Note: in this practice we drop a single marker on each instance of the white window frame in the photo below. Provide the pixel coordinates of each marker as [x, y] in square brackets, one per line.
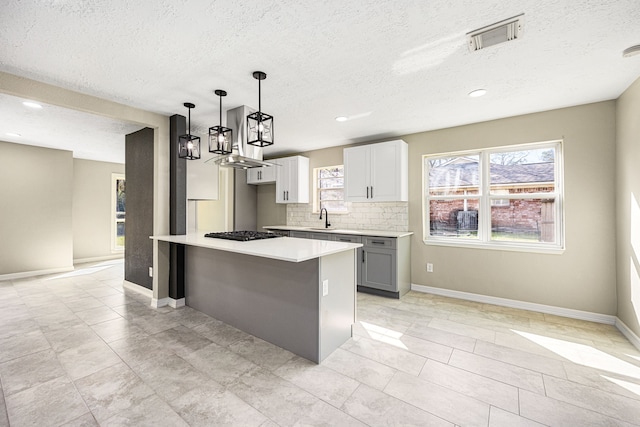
[114, 202]
[316, 191]
[486, 200]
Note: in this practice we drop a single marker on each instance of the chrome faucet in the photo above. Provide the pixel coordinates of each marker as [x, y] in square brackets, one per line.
[326, 217]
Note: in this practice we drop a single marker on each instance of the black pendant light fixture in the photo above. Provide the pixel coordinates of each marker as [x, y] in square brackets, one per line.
[259, 124]
[189, 145]
[220, 138]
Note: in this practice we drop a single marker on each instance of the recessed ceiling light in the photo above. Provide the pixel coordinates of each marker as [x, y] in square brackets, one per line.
[31, 104]
[341, 119]
[478, 92]
[15, 135]
[630, 51]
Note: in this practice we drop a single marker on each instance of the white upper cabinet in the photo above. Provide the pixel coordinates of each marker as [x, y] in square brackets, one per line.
[292, 179]
[202, 180]
[263, 175]
[377, 172]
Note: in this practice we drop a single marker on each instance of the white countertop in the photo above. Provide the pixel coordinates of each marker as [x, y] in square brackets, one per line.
[371, 233]
[280, 248]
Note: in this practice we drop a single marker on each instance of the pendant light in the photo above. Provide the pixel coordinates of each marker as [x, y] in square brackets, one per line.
[259, 124]
[220, 138]
[189, 145]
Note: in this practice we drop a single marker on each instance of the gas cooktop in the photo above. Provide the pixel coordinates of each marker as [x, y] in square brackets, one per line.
[242, 236]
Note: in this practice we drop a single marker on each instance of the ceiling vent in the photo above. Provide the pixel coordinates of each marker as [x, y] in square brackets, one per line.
[500, 32]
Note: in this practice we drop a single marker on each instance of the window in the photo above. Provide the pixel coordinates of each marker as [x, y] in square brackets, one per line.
[117, 212]
[329, 189]
[503, 198]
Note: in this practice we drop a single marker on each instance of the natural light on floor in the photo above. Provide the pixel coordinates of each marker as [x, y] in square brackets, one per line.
[85, 271]
[633, 388]
[634, 279]
[584, 355]
[385, 335]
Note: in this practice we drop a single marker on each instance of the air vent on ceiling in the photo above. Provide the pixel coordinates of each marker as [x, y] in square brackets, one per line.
[500, 32]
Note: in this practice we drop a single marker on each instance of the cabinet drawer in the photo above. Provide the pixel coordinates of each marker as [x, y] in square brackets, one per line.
[300, 234]
[321, 236]
[346, 238]
[379, 242]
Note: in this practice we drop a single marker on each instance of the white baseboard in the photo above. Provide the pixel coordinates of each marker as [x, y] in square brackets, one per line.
[157, 303]
[24, 274]
[627, 332]
[523, 305]
[97, 259]
[176, 303]
[137, 288]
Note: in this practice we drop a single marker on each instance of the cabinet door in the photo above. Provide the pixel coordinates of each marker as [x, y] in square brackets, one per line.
[385, 172]
[268, 174]
[292, 185]
[252, 176]
[282, 180]
[356, 174]
[379, 269]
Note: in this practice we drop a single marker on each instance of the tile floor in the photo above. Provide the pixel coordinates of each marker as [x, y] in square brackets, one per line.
[78, 350]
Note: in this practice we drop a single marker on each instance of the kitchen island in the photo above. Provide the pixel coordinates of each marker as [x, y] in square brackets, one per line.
[298, 294]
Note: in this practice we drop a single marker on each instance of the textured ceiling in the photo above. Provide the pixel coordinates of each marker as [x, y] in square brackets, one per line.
[393, 67]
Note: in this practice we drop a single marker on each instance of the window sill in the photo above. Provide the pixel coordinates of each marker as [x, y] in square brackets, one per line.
[496, 246]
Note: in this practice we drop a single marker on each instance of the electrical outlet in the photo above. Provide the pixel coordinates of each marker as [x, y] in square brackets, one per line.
[325, 288]
[150, 271]
[429, 267]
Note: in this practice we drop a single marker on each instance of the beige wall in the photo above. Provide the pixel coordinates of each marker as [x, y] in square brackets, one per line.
[628, 206]
[583, 277]
[92, 208]
[35, 215]
[49, 94]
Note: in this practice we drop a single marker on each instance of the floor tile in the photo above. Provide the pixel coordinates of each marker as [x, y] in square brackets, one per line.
[437, 400]
[135, 349]
[86, 420]
[52, 403]
[367, 371]
[31, 370]
[423, 330]
[261, 353]
[219, 332]
[4, 418]
[219, 363]
[87, 359]
[112, 390]
[182, 340]
[116, 329]
[501, 418]
[210, 404]
[70, 336]
[376, 408]
[498, 370]
[463, 329]
[521, 358]
[390, 353]
[14, 346]
[319, 380]
[553, 412]
[83, 304]
[610, 404]
[169, 376]
[97, 315]
[151, 412]
[479, 387]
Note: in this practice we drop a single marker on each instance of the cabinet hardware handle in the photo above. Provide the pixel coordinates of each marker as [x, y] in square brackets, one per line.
[363, 253]
[344, 240]
[367, 192]
[377, 242]
[372, 191]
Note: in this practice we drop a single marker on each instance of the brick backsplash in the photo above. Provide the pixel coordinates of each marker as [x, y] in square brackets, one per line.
[391, 216]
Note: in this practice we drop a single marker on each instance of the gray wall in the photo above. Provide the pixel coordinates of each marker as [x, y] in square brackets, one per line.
[628, 206]
[35, 213]
[139, 225]
[92, 207]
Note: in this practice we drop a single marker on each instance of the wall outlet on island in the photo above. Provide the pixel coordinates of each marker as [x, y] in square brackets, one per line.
[150, 271]
[325, 288]
[429, 267]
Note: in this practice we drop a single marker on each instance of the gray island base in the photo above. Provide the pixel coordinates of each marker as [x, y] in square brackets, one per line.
[303, 303]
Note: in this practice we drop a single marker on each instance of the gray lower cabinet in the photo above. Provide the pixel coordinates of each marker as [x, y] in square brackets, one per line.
[384, 262]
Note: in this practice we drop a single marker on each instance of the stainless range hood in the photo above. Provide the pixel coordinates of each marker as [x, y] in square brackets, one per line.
[244, 156]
